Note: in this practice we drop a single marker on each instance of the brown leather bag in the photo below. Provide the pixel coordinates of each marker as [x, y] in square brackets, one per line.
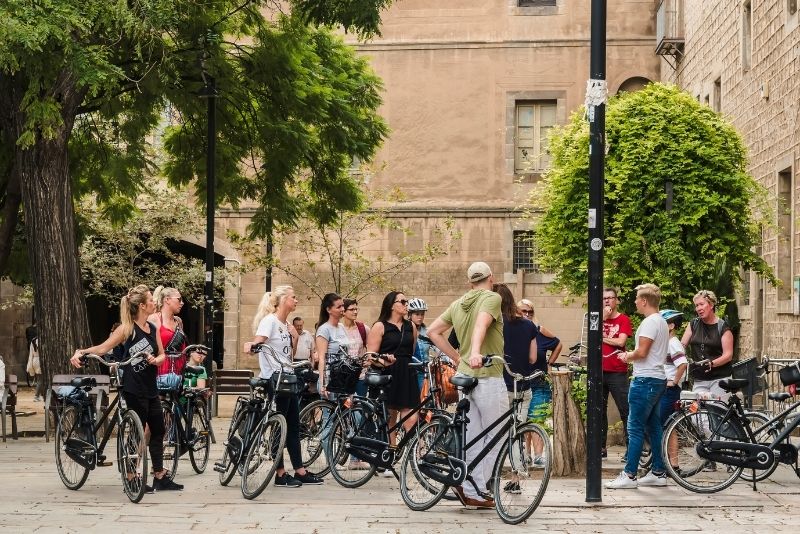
[448, 394]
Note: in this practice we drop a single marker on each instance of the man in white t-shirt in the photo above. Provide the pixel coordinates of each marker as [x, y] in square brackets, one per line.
[644, 395]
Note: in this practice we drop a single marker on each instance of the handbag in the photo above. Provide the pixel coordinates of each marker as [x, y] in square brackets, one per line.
[286, 384]
[790, 374]
[447, 391]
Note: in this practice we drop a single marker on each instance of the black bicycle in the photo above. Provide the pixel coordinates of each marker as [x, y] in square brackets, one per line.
[715, 441]
[257, 434]
[186, 426]
[360, 433]
[436, 461]
[76, 448]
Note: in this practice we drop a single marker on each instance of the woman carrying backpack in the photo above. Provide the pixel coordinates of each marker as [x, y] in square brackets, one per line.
[709, 337]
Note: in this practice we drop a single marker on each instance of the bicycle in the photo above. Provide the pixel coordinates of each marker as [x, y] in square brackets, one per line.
[716, 432]
[257, 433]
[362, 431]
[76, 449]
[438, 460]
[186, 427]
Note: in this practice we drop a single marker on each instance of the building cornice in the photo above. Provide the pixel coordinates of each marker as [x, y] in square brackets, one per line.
[538, 43]
[489, 212]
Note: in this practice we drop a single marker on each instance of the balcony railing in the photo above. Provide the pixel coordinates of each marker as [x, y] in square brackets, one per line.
[669, 30]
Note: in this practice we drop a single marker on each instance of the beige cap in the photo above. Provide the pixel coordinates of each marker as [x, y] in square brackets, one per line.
[478, 271]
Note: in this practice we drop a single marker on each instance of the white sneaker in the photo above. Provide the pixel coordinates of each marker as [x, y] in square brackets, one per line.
[387, 474]
[651, 479]
[623, 481]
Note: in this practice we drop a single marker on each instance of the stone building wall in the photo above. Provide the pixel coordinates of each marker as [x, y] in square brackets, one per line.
[763, 102]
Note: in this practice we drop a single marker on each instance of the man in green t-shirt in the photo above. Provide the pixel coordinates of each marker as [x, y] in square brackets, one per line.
[478, 324]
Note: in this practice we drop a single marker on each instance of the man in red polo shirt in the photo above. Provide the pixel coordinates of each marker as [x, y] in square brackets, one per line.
[616, 330]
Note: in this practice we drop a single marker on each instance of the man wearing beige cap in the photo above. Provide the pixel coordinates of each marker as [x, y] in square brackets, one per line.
[478, 324]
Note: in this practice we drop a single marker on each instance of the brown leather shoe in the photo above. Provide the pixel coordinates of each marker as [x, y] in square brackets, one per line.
[471, 503]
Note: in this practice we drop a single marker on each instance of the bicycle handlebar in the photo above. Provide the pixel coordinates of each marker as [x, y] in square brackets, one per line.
[489, 359]
[111, 364]
[189, 348]
[263, 347]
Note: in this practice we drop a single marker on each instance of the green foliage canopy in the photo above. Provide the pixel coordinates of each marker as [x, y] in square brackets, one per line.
[654, 136]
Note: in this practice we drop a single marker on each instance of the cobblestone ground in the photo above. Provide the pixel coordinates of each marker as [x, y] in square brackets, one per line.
[33, 499]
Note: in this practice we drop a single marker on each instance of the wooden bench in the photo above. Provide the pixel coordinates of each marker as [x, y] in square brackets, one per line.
[229, 382]
[9, 405]
[53, 407]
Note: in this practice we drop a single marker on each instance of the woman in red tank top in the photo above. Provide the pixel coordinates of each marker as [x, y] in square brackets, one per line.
[170, 327]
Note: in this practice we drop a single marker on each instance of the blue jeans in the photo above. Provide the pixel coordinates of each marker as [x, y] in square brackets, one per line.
[644, 414]
[668, 400]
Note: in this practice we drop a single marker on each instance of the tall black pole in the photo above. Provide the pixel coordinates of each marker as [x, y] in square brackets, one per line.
[596, 111]
[210, 92]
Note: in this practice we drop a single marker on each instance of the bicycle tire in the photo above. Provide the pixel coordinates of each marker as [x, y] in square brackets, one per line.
[233, 454]
[199, 443]
[766, 437]
[263, 456]
[419, 492]
[72, 474]
[343, 470]
[692, 472]
[172, 439]
[315, 419]
[520, 477]
[132, 455]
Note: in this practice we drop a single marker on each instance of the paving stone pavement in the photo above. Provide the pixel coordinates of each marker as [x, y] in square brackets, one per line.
[33, 499]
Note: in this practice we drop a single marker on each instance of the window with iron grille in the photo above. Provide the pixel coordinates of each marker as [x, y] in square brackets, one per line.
[523, 251]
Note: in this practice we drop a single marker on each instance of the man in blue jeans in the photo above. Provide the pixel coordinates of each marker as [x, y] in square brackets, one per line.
[644, 394]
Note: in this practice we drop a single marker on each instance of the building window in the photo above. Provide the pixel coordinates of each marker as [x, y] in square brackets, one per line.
[524, 256]
[716, 100]
[747, 34]
[535, 3]
[786, 216]
[534, 121]
[791, 6]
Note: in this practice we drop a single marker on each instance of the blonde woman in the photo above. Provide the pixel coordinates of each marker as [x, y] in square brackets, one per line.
[169, 303]
[272, 328]
[137, 334]
[708, 337]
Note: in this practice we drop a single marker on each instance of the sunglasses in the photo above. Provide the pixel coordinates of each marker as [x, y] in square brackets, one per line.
[404, 302]
[179, 299]
[526, 312]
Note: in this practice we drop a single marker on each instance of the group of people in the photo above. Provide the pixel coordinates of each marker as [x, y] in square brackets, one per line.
[659, 364]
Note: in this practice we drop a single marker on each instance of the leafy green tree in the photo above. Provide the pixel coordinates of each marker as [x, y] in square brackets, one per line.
[86, 85]
[655, 137]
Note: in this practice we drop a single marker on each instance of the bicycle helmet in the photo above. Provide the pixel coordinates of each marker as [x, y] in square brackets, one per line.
[417, 305]
[672, 316]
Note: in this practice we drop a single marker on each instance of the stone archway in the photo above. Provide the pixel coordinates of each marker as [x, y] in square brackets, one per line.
[633, 84]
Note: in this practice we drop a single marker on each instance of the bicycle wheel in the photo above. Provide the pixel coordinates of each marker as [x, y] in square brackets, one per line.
[420, 492]
[199, 440]
[262, 458]
[72, 474]
[233, 454]
[685, 465]
[315, 423]
[172, 439]
[347, 470]
[132, 455]
[765, 437]
[520, 474]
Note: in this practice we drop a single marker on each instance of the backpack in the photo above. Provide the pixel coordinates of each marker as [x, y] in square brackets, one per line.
[362, 330]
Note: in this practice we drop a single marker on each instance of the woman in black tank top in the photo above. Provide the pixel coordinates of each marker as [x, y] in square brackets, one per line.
[708, 337]
[137, 335]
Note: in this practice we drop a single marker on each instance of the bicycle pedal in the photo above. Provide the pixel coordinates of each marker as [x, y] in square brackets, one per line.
[104, 463]
[219, 468]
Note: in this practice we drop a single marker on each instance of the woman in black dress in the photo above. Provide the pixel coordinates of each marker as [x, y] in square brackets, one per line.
[394, 334]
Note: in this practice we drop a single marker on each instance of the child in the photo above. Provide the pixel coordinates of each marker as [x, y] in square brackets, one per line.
[675, 366]
[196, 359]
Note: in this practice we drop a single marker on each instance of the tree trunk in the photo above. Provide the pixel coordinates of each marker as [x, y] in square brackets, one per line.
[569, 434]
[43, 169]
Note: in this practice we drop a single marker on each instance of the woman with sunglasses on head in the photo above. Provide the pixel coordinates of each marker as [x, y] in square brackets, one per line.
[138, 335]
[169, 303]
[395, 335]
[709, 338]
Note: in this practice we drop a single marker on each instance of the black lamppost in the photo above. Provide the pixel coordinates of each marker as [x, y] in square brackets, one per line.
[596, 111]
[209, 92]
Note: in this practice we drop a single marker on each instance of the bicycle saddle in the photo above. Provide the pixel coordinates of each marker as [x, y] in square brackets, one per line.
[259, 382]
[463, 381]
[733, 384]
[779, 396]
[83, 382]
[374, 379]
[417, 366]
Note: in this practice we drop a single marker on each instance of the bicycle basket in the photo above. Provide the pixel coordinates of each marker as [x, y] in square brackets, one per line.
[343, 377]
[288, 384]
[169, 382]
[790, 374]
